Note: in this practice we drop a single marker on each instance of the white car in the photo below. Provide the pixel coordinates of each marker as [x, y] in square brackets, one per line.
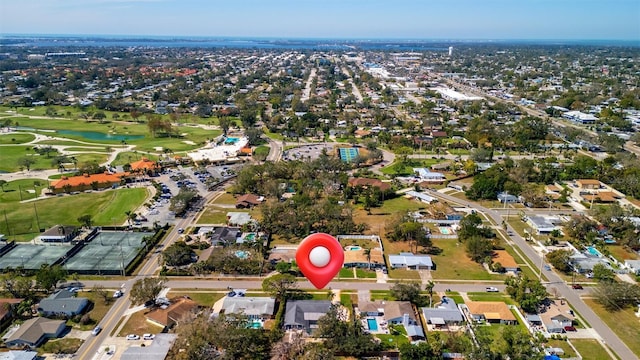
[492, 289]
[148, 337]
[133, 337]
[117, 294]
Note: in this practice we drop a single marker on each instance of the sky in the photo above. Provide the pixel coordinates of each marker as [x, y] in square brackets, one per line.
[368, 19]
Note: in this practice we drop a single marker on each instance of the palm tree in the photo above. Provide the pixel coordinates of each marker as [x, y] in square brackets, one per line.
[367, 253]
[429, 287]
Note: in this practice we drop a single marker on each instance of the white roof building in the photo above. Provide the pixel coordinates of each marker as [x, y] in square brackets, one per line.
[410, 261]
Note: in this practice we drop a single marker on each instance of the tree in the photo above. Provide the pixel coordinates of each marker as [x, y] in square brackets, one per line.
[146, 289]
[283, 267]
[344, 336]
[420, 351]
[603, 273]
[529, 293]
[2, 184]
[178, 254]
[225, 124]
[479, 248]
[616, 296]
[86, 220]
[102, 293]
[26, 162]
[48, 276]
[429, 288]
[18, 286]
[560, 260]
[280, 285]
[408, 292]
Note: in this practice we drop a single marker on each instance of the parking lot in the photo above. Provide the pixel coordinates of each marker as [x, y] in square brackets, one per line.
[311, 152]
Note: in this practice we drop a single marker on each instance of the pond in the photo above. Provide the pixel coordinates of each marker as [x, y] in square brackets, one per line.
[94, 135]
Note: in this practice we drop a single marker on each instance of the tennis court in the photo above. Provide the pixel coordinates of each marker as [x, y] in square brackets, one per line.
[348, 154]
[31, 257]
[108, 253]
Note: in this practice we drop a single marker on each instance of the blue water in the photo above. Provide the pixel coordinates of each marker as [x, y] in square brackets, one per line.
[593, 251]
[241, 254]
[373, 324]
[231, 140]
[94, 135]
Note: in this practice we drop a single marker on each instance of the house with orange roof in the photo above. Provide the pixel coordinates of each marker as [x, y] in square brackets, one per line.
[173, 314]
[245, 151]
[88, 182]
[506, 260]
[491, 311]
[144, 165]
[366, 182]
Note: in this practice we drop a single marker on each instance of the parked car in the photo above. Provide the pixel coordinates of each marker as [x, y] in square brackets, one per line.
[492, 289]
[117, 294]
[96, 330]
[148, 337]
[577, 286]
[570, 328]
[133, 337]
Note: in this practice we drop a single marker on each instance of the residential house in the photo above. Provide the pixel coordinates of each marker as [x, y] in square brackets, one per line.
[421, 197]
[19, 355]
[507, 198]
[247, 201]
[633, 266]
[255, 308]
[601, 197]
[506, 260]
[445, 314]
[158, 349]
[543, 224]
[491, 311]
[366, 182]
[358, 258]
[588, 184]
[395, 313]
[225, 235]
[173, 314]
[583, 263]
[304, 314]
[427, 175]
[6, 311]
[33, 332]
[59, 233]
[411, 262]
[87, 182]
[63, 303]
[556, 315]
[238, 218]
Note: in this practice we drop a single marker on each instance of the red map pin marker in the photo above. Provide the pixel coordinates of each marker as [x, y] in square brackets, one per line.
[320, 257]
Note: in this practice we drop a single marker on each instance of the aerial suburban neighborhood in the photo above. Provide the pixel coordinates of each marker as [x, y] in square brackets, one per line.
[486, 197]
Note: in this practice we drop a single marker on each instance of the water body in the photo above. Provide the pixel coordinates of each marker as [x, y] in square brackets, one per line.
[98, 136]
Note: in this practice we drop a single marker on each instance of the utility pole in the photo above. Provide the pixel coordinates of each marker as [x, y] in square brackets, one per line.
[35, 210]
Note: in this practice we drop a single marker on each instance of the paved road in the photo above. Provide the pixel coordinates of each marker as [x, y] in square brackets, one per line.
[594, 320]
[90, 347]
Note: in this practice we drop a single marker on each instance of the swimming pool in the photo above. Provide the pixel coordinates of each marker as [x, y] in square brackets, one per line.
[241, 254]
[593, 251]
[250, 237]
[231, 140]
[373, 324]
[444, 230]
[353, 248]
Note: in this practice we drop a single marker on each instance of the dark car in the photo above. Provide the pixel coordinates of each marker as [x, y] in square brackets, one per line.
[570, 328]
[577, 286]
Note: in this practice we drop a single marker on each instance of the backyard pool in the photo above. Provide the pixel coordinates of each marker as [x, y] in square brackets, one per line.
[352, 248]
[593, 251]
[231, 140]
[373, 324]
[241, 254]
[445, 230]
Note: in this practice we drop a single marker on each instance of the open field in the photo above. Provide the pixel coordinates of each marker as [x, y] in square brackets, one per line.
[138, 324]
[590, 349]
[453, 263]
[568, 350]
[106, 207]
[127, 157]
[16, 138]
[11, 155]
[624, 323]
[204, 298]
[98, 311]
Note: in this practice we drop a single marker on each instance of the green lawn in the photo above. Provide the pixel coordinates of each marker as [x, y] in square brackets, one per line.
[624, 323]
[345, 274]
[11, 155]
[396, 205]
[455, 296]
[262, 150]
[214, 215]
[60, 346]
[365, 274]
[483, 296]
[568, 350]
[127, 157]
[453, 263]
[591, 349]
[106, 207]
[395, 340]
[203, 298]
[16, 138]
[345, 300]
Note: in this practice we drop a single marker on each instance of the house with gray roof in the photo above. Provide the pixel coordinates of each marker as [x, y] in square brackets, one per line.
[410, 261]
[256, 308]
[158, 349]
[63, 303]
[225, 235]
[18, 355]
[33, 332]
[446, 313]
[304, 314]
